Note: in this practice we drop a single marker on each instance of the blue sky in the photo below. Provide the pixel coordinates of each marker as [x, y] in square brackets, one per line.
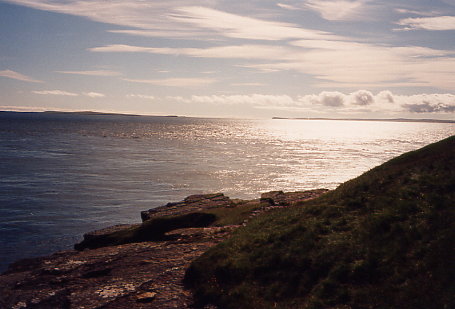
[260, 58]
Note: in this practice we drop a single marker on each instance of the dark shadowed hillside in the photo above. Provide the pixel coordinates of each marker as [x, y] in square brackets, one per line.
[382, 240]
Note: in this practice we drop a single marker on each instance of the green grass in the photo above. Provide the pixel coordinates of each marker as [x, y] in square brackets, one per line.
[382, 240]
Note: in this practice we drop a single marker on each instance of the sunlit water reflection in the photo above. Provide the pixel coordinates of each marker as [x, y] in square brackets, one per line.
[63, 175]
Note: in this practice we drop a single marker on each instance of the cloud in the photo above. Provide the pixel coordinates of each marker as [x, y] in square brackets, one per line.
[358, 102]
[428, 103]
[386, 95]
[18, 76]
[416, 12]
[140, 96]
[128, 13]
[335, 63]
[364, 65]
[237, 26]
[252, 99]
[429, 107]
[337, 9]
[438, 23]
[248, 84]
[175, 82]
[362, 97]
[192, 34]
[174, 19]
[288, 6]
[94, 94]
[227, 52]
[69, 94]
[327, 98]
[92, 73]
[56, 92]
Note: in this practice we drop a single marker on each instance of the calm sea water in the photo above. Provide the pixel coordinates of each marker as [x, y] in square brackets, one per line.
[63, 175]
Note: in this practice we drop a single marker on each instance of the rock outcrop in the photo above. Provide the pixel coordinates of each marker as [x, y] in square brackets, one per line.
[142, 272]
[192, 203]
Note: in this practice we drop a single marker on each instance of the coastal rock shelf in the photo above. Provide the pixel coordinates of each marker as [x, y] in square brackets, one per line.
[136, 272]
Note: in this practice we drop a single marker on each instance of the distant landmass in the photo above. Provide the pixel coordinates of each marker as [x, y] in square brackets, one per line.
[374, 119]
[88, 113]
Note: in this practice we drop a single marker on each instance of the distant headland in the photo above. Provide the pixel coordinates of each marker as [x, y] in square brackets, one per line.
[88, 113]
[373, 119]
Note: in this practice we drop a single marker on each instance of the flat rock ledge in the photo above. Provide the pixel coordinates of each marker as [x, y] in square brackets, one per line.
[145, 274]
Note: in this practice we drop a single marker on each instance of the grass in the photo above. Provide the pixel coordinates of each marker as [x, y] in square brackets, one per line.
[382, 240]
[233, 215]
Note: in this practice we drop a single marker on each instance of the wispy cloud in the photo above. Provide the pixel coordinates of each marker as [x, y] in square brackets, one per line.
[438, 23]
[56, 92]
[248, 84]
[94, 94]
[237, 26]
[128, 13]
[288, 6]
[192, 34]
[226, 52]
[92, 73]
[69, 94]
[252, 99]
[417, 12]
[351, 64]
[175, 82]
[344, 64]
[337, 9]
[140, 96]
[174, 18]
[18, 76]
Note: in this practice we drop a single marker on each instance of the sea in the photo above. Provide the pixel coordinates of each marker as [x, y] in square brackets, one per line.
[64, 174]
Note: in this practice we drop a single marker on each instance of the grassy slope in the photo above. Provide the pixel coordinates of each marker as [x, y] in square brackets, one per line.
[382, 240]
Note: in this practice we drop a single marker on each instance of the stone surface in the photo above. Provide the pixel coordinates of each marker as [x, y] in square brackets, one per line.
[146, 297]
[112, 277]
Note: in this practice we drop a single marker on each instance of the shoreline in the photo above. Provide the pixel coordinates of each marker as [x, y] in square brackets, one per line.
[136, 273]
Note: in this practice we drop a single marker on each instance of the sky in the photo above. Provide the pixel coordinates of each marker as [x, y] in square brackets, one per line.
[230, 58]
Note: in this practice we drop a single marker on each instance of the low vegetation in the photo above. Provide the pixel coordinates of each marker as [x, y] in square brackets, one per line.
[382, 240]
